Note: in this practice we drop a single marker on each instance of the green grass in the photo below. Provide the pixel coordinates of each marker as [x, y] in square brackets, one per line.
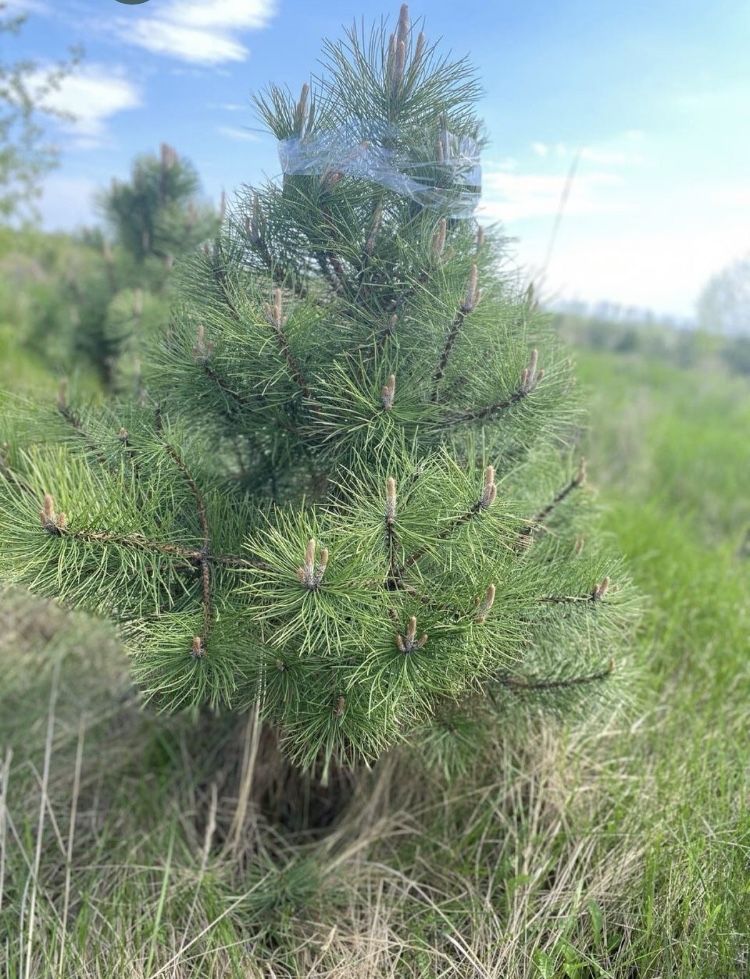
[150, 846]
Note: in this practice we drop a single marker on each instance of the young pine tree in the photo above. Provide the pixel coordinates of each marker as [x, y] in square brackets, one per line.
[351, 496]
[155, 217]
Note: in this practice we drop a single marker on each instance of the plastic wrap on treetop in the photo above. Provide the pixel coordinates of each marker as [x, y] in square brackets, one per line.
[446, 175]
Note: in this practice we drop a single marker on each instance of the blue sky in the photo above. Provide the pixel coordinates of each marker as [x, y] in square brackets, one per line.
[653, 97]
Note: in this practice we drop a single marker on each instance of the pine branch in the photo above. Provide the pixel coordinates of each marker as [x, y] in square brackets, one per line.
[530, 378]
[595, 595]
[199, 642]
[537, 522]
[275, 317]
[539, 683]
[322, 258]
[485, 413]
[12, 477]
[391, 541]
[467, 306]
[190, 555]
[484, 502]
[73, 419]
[220, 277]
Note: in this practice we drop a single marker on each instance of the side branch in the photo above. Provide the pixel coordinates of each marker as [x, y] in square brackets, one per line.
[275, 316]
[391, 542]
[12, 477]
[530, 378]
[485, 501]
[220, 277]
[486, 412]
[467, 306]
[137, 542]
[595, 595]
[537, 522]
[200, 503]
[69, 415]
[539, 683]
[205, 566]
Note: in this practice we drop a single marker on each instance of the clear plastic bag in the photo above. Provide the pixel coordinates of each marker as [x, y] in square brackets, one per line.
[372, 152]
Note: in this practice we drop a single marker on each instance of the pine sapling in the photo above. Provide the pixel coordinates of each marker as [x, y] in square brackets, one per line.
[348, 494]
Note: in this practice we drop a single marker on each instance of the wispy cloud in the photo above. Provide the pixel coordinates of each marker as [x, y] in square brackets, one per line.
[238, 133]
[510, 196]
[92, 95]
[205, 32]
[620, 151]
[514, 190]
[24, 7]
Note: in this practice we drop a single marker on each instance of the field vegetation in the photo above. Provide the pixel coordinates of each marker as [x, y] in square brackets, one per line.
[140, 845]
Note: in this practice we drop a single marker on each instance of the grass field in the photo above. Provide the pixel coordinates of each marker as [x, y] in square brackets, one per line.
[132, 845]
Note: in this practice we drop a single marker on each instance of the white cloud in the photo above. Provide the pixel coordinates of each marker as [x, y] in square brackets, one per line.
[652, 269]
[206, 32]
[610, 157]
[513, 196]
[620, 150]
[238, 133]
[24, 7]
[91, 95]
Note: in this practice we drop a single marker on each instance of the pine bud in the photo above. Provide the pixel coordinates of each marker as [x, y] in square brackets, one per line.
[253, 222]
[472, 293]
[300, 112]
[202, 350]
[530, 376]
[377, 218]
[62, 394]
[168, 156]
[419, 49]
[600, 590]
[440, 150]
[274, 311]
[398, 65]
[438, 239]
[199, 650]
[390, 501]
[320, 567]
[485, 605]
[222, 207]
[137, 303]
[402, 31]
[123, 435]
[392, 46]
[480, 238]
[489, 492]
[311, 573]
[340, 707]
[52, 522]
[408, 643]
[580, 477]
[388, 393]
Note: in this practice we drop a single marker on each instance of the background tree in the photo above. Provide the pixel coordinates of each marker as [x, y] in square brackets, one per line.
[348, 493]
[84, 300]
[156, 217]
[724, 303]
[25, 155]
[157, 214]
